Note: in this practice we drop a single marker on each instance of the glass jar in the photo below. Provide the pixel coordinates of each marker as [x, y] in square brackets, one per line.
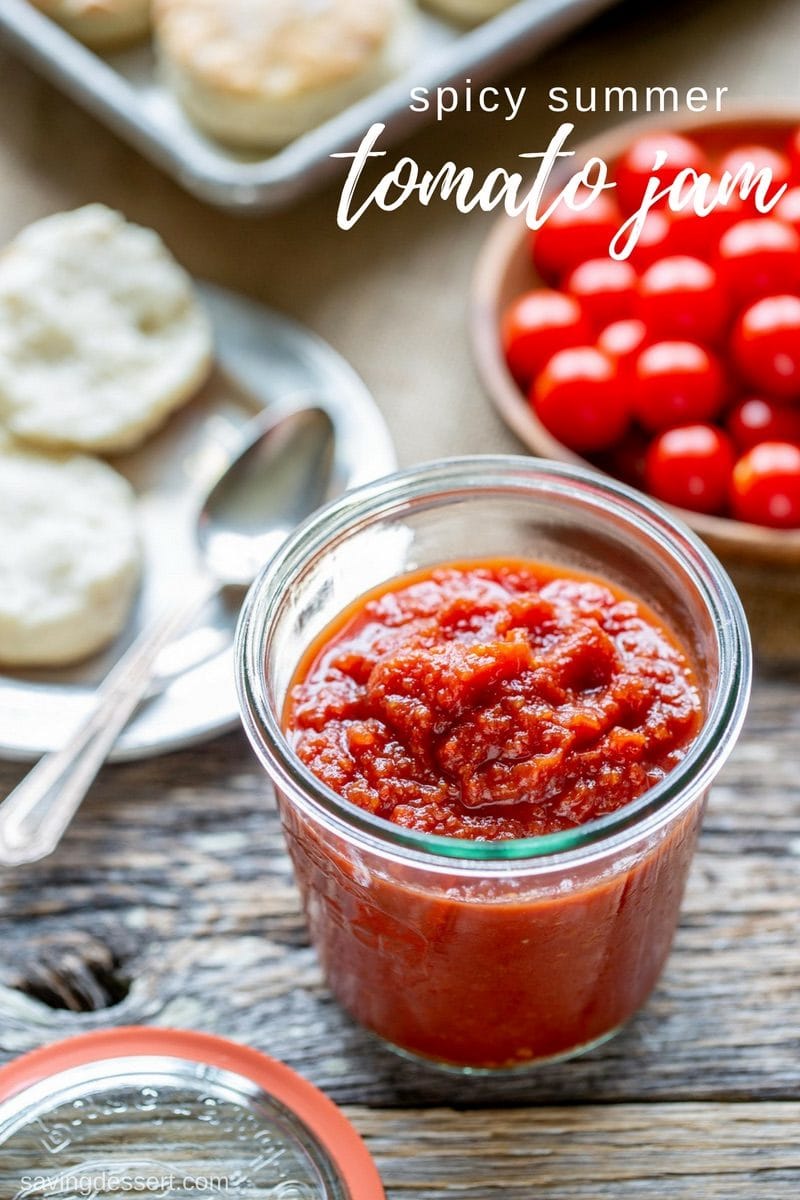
[492, 955]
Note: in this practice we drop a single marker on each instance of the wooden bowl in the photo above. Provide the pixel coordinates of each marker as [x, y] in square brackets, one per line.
[504, 270]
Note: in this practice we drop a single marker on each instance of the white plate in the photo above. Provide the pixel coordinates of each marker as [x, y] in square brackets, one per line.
[262, 358]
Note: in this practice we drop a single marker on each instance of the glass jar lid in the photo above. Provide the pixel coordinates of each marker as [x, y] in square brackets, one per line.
[158, 1113]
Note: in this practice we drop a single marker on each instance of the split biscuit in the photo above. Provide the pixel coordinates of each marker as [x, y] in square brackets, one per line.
[259, 73]
[101, 24]
[101, 336]
[69, 555]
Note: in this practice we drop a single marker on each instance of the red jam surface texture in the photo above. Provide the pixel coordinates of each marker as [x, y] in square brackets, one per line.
[493, 700]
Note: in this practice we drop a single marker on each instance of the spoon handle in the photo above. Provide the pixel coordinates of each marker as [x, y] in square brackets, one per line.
[34, 816]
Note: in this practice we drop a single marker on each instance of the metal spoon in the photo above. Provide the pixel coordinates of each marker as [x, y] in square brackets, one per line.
[281, 474]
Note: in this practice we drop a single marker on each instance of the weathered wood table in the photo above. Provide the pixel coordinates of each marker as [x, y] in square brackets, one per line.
[171, 901]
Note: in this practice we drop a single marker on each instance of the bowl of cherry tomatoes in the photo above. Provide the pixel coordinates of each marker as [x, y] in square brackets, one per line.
[677, 369]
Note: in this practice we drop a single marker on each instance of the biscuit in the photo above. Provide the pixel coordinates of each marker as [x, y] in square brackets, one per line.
[69, 555]
[101, 336]
[259, 73]
[469, 11]
[100, 23]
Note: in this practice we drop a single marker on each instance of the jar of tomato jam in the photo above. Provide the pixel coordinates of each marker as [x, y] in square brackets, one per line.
[491, 940]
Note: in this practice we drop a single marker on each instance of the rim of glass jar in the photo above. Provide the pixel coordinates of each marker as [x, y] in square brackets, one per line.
[452, 478]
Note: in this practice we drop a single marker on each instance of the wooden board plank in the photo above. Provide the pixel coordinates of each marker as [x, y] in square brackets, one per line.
[618, 1152]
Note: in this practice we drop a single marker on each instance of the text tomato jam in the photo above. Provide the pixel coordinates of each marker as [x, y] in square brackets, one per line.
[490, 701]
[493, 700]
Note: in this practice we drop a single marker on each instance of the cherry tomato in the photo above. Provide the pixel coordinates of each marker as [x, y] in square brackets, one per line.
[637, 165]
[788, 209]
[537, 325]
[676, 383]
[569, 237]
[690, 466]
[653, 242]
[680, 297]
[760, 257]
[755, 420]
[622, 341]
[699, 235]
[766, 346]
[765, 487]
[605, 288]
[758, 158]
[578, 398]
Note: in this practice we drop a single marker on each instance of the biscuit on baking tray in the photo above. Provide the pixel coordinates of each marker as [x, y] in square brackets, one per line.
[469, 11]
[101, 336]
[69, 555]
[258, 73]
[100, 23]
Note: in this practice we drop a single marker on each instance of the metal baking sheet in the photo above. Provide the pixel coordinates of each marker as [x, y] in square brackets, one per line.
[262, 359]
[124, 91]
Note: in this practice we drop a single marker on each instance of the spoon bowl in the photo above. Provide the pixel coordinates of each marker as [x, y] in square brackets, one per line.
[284, 468]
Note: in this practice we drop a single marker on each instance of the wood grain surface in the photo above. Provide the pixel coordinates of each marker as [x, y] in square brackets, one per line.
[624, 1151]
[171, 901]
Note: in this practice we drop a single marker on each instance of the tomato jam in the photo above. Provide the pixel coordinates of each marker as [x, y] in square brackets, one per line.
[488, 701]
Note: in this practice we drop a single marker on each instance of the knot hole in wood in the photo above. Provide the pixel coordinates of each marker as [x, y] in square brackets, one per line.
[75, 973]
